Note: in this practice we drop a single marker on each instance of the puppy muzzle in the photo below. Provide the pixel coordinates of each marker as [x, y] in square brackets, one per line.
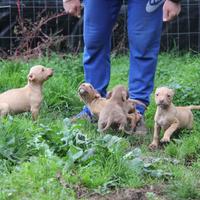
[51, 71]
[163, 105]
[81, 91]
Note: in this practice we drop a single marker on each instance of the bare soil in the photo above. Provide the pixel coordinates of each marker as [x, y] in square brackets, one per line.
[129, 194]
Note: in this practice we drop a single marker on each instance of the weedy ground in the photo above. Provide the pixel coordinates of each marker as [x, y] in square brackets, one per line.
[54, 159]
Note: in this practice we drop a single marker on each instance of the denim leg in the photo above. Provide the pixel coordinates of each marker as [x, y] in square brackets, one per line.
[99, 18]
[144, 32]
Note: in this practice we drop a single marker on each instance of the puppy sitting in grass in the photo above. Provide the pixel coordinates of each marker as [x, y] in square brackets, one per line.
[92, 98]
[28, 98]
[169, 117]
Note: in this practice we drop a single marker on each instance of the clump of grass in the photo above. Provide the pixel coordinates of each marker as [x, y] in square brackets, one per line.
[15, 135]
[35, 180]
[185, 184]
[186, 147]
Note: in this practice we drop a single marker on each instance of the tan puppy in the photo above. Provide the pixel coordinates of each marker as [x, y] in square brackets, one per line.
[114, 113]
[131, 114]
[92, 98]
[28, 98]
[132, 120]
[169, 117]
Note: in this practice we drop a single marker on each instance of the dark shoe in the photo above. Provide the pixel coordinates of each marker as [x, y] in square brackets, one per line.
[84, 114]
[141, 128]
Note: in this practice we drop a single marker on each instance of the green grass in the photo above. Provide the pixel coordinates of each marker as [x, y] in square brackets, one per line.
[32, 153]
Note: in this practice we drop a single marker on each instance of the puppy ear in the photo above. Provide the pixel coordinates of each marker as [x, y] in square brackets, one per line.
[109, 94]
[31, 77]
[124, 95]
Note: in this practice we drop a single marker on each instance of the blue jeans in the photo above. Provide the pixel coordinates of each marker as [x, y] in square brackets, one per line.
[144, 33]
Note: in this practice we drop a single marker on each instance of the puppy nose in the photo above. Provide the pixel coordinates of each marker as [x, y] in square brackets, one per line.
[51, 72]
[81, 90]
[161, 101]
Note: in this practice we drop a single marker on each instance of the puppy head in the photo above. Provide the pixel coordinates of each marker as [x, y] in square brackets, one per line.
[119, 93]
[164, 97]
[39, 74]
[87, 92]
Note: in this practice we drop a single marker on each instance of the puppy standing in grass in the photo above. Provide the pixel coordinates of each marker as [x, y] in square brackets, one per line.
[113, 113]
[169, 117]
[28, 98]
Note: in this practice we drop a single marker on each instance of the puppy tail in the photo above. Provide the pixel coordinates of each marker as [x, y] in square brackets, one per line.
[137, 102]
[192, 107]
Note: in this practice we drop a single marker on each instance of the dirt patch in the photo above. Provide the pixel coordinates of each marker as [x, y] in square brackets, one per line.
[122, 194]
[118, 194]
[129, 194]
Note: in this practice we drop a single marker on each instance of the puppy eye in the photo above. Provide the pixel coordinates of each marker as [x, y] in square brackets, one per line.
[157, 94]
[168, 95]
[42, 69]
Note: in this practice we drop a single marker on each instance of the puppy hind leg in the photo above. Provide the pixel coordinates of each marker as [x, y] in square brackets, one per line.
[109, 122]
[122, 125]
[4, 109]
[101, 126]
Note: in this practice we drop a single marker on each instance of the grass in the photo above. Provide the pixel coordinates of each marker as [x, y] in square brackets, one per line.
[33, 153]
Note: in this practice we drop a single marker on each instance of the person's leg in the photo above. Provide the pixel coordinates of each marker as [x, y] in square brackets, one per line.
[144, 32]
[99, 18]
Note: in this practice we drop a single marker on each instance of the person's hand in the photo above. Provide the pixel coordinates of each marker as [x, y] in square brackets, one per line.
[170, 10]
[72, 7]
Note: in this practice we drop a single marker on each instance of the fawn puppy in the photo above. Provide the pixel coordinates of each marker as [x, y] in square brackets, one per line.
[169, 117]
[92, 98]
[27, 98]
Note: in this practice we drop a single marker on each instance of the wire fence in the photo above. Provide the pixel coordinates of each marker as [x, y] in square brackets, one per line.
[182, 34]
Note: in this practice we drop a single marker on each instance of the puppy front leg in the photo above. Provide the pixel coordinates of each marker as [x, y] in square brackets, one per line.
[169, 132]
[34, 111]
[132, 119]
[155, 142]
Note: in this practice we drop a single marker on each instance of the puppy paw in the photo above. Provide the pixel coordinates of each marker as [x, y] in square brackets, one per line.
[153, 146]
[121, 128]
[100, 130]
[165, 140]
